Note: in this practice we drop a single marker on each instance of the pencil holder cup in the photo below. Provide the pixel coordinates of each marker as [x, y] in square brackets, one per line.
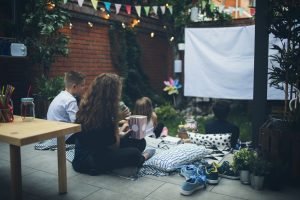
[6, 115]
[7, 112]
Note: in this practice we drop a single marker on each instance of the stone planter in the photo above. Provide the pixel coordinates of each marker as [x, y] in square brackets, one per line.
[257, 182]
[245, 177]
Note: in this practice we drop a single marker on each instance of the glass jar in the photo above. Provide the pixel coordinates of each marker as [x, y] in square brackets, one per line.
[27, 109]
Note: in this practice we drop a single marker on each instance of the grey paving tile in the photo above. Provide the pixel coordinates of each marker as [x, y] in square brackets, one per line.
[111, 195]
[45, 185]
[46, 161]
[141, 187]
[170, 191]
[236, 189]
[174, 179]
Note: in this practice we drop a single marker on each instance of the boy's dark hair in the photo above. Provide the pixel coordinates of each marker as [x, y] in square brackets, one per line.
[73, 77]
[221, 109]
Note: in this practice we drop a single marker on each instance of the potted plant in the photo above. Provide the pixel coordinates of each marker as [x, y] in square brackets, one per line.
[242, 162]
[284, 71]
[259, 169]
[47, 89]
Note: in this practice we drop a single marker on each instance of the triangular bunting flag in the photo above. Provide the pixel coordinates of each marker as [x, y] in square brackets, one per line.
[241, 10]
[154, 8]
[95, 4]
[80, 2]
[118, 7]
[203, 4]
[163, 9]
[107, 6]
[170, 9]
[147, 8]
[128, 9]
[65, 1]
[138, 10]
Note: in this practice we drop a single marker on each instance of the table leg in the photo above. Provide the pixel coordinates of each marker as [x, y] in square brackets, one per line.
[16, 176]
[62, 171]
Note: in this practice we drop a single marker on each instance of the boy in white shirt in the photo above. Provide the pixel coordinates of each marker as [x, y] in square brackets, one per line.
[64, 106]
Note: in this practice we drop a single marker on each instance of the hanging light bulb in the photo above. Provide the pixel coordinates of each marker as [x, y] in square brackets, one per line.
[90, 24]
[123, 25]
[70, 26]
[135, 22]
[152, 34]
[165, 27]
[50, 5]
[167, 5]
[102, 9]
[107, 16]
[171, 38]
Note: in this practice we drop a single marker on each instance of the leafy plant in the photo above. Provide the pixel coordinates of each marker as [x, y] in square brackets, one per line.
[242, 159]
[284, 25]
[126, 56]
[43, 21]
[48, 88]
[260, 167]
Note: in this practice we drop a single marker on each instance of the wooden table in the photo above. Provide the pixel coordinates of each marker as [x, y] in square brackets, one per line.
[19, 133]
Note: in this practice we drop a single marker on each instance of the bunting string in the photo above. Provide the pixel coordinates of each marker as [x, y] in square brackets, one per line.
[154, 9]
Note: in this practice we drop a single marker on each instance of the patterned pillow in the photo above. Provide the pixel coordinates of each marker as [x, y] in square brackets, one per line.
[221, 140]
[171, 159]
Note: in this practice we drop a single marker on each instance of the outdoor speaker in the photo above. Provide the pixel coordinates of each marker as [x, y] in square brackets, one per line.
[18, 49]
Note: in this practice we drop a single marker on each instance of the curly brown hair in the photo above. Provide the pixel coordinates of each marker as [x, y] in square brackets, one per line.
[99, 106]
[143, 106]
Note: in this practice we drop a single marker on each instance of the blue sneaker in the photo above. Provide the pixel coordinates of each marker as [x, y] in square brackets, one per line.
[212, 175]
[193, 184]
[226, 171]
[188, 170]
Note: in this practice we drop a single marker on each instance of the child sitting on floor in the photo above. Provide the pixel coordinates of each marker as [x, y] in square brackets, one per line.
[143, 106]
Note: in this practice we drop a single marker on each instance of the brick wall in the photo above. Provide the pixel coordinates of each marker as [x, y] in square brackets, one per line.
[89, 51]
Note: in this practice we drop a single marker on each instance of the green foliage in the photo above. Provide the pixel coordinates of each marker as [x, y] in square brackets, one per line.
[242, 159]
[42, 32]
[166, 112]
[181, 15]
[48, 88]
[260, 167]
[170, 117]
[284, 25]
[126, 56]
[240, 117]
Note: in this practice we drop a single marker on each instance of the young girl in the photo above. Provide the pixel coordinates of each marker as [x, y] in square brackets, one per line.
[100, 147]
[143, 106]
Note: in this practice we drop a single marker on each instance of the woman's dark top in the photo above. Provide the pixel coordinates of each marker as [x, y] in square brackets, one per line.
[93, 154]
[91, 144]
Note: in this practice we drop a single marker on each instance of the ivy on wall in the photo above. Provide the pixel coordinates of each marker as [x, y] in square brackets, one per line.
[126, 54]
[43, 21]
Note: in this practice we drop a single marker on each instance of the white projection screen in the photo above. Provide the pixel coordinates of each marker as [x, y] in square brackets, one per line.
[219, 63]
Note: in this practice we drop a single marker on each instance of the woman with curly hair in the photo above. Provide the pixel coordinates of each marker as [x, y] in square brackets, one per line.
[101, 146]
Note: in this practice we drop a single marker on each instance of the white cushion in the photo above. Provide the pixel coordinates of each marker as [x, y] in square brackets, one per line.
[220, 140]
[171, 159]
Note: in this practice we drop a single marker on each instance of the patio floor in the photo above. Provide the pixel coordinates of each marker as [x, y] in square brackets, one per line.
[39, 173]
